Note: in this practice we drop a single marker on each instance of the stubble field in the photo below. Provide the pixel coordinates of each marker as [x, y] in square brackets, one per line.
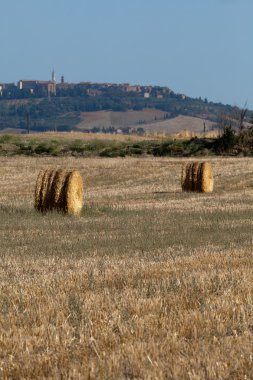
[149, 283]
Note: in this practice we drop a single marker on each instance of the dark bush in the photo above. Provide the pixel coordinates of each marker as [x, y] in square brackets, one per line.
[227, 141]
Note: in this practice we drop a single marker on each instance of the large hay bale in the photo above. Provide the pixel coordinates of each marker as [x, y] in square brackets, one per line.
[59, 190]
[189, 176]
[41, 189]
[206, 178]
[47, 202]
[197, 176]
[74, 193]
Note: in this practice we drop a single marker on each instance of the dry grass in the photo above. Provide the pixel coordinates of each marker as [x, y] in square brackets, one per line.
[179, 124]
[72, 136]
[149, 283]
[187, 135]
[121, 118]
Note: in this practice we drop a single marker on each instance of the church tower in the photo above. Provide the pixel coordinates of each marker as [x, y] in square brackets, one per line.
[52, 85]
[53, 76]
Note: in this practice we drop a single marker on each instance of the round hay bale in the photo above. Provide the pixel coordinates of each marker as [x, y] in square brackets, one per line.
[197, 176]
[59, 190]
[48, 200]
[207, 180]
[45, 190]
[189, 175]
[41, 189]
[74, 193]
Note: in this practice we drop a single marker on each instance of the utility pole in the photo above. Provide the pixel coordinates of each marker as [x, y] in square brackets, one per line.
[28, 122]
[204, 130]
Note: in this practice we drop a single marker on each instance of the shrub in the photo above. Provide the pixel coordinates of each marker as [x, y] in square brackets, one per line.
[163, 149]
[112, 152]
[227, 141]
[5, 139]
[47, 147]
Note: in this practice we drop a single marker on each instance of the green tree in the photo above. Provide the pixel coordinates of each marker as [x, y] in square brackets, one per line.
[227, 141]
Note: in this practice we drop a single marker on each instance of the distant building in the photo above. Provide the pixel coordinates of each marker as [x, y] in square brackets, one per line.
[159, 96]
[46, 88]
[66, 85]
[7, 88]
[85, 84]
[93, 92]
[43, 87]
[166, 90]
[147, 88]
[129, 88]
[105, 85]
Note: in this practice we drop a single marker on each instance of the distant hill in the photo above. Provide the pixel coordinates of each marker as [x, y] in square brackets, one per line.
[178, 124]
[150, 120]
[112, 108]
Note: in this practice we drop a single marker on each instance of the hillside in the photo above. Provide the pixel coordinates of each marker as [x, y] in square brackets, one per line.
[111, 109]
[120, 118]
[178, 124]
[150, 120]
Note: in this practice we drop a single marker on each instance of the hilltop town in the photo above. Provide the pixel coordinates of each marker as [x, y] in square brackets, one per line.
[48, 88]
[44, 105]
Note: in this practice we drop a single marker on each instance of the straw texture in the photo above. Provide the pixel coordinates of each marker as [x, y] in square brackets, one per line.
[74, 193]
[206, 177]
[38, 190]
[59, 190]
[197, 176]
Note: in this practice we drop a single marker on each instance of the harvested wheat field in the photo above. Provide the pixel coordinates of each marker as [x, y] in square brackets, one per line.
[148, 283]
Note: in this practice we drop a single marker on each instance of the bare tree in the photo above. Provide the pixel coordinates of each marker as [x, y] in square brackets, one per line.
[235, 120]
[242, 117]
[224, 122]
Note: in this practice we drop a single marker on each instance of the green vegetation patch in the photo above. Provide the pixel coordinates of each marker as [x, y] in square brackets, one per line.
[229, 144]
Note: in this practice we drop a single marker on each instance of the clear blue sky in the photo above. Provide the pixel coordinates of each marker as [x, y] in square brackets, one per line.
[197, 47]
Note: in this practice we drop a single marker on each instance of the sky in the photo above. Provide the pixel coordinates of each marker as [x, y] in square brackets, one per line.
[196, 47]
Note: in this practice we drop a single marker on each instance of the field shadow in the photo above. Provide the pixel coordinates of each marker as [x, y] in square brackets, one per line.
[163, 192]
